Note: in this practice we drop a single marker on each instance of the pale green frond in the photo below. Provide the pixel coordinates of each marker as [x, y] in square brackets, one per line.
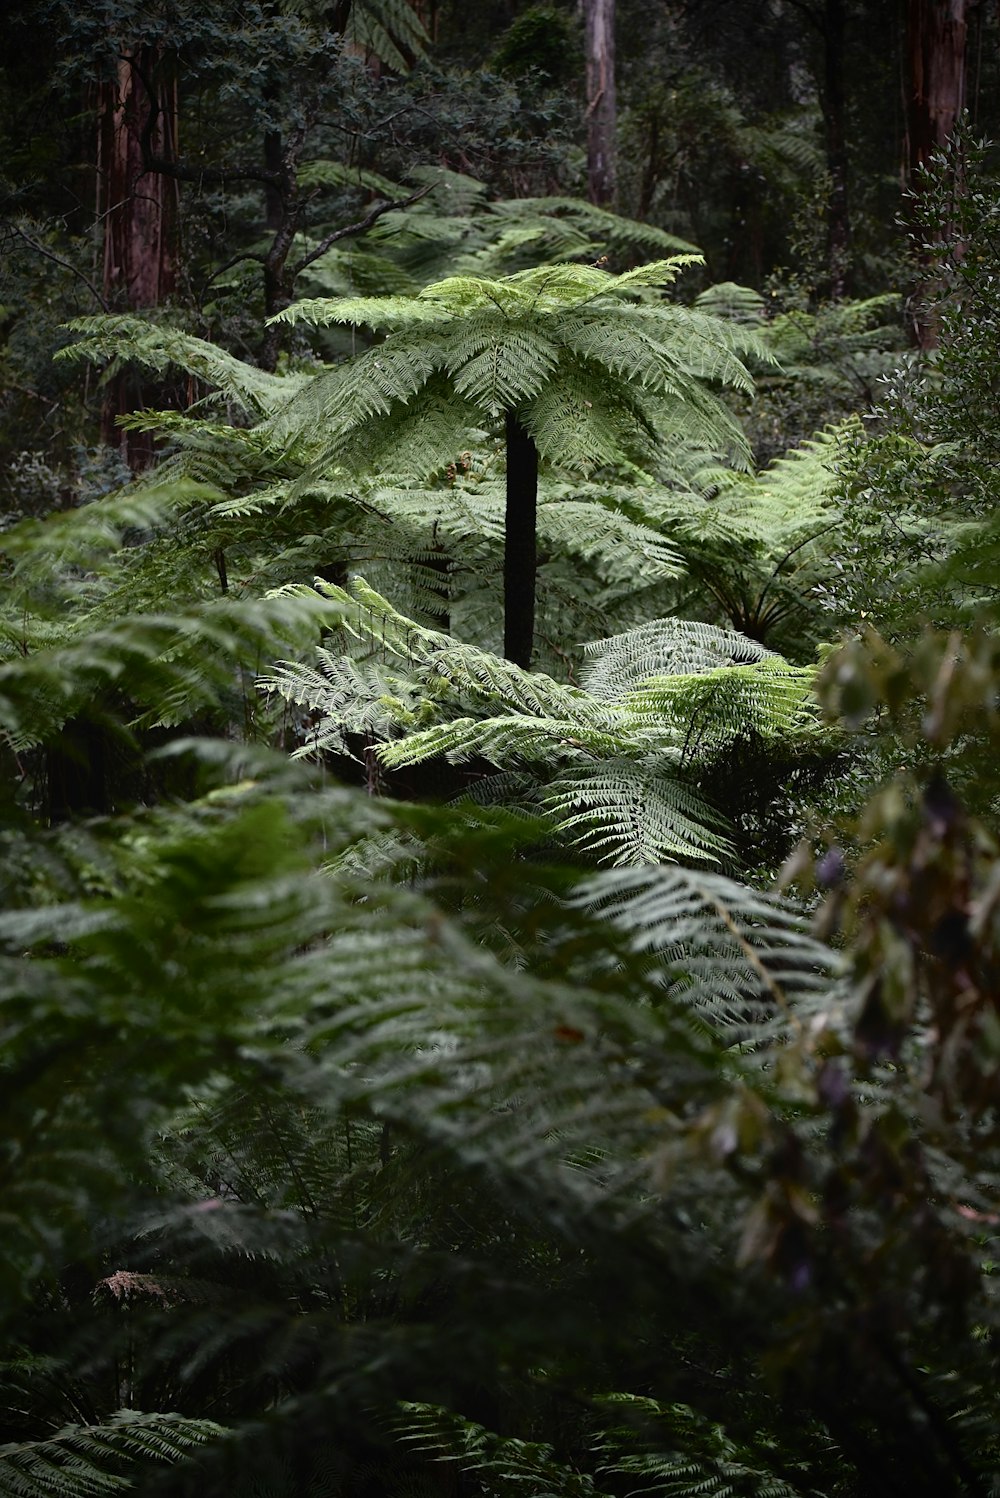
[498, 365]
[555, 287]
[377, 312]
[515, 739]
[578, 425]
[321, 173]
[769, 698]
[599, 532]
[593, 226]
[130, 339]
[626, 812]
[663, 648]
[705, 346]
[349, 270]
[85, 1461]
[631, 351]
[460, 295]
[655, 273]
[416, 440]
[730, 300]
[81, 537]
[726, 943]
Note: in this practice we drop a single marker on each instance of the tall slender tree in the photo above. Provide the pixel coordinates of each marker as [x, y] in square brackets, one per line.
[937, 42]
[599, 44]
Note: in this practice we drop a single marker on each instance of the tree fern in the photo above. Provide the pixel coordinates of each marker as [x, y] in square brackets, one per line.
[579, 375]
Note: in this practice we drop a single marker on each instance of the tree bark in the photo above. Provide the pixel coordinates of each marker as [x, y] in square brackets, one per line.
[139, 211]
[936, 38]
[599, 46]
[936, 42]
[520, 557]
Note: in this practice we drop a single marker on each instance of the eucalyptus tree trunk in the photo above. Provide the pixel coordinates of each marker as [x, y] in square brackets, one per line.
[139, 211]
[599, 47]
[936, 43]
[936, 39]
[520, 556]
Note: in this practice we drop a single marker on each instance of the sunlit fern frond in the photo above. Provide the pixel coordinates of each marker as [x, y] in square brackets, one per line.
[624, 811]
[663, 647]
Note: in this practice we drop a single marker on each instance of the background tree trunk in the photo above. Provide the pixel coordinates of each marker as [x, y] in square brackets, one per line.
[838, 215]
[936, 41]
[936, 38]
[139, 211]
[520, 556]
[599, 45]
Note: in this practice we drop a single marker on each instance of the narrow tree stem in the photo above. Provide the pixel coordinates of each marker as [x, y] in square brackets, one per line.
[520, 544]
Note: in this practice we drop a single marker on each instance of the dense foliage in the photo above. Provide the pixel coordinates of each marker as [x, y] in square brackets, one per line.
[499, 872]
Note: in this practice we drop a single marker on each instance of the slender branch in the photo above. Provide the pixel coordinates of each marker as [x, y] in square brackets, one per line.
[370, 218]
[66, 264]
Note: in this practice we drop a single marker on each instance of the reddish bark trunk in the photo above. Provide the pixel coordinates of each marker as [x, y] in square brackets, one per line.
[139, 212]
[937, 33]
[599, 46]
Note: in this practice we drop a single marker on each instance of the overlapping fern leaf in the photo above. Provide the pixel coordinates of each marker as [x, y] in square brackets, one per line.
[96, 1459]
[593, 368]
[608, 765]
[696, 1457]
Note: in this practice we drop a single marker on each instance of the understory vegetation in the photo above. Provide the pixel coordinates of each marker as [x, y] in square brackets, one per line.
[500, 920]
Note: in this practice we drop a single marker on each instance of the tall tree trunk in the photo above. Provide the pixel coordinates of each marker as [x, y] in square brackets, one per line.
[936, 38]
[520, 556]
[936, 41]
[139, 211]
[599, 46]
[838, 216]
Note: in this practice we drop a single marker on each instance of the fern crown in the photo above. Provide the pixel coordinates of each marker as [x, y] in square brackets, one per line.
[595, 365]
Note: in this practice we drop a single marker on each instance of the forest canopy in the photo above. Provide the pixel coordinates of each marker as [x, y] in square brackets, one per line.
[499, 864]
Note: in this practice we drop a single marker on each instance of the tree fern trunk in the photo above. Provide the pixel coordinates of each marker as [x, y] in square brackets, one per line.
[520, 544]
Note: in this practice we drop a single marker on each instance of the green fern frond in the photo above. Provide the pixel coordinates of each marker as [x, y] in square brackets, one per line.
[130, 338]
[84, 1460]
[625, 812]
[376, 312]
[725, 944]
[321, 173]
[390, 30]
[498, 373]
[737, 303]
[500, 1464]
[663, 648]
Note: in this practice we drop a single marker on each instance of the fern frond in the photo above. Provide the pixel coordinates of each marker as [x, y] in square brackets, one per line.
[376, 312]
[127, 338]
[725, 944]
[84, 1461]
[663, 648]
[500, 370]
[625, 812]
[321, 173]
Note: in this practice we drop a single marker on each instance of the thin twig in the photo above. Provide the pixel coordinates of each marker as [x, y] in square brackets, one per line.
[66, 264]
